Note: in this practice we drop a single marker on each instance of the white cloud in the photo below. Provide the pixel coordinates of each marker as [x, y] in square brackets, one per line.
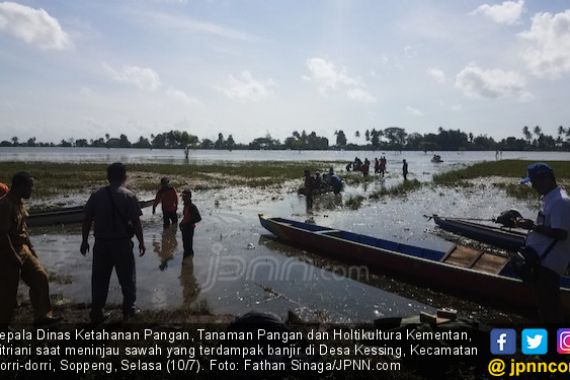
[247, 88]
[359, 95]
[327, 76]
[142, 77]
[410, 51]
[33, 26]
[190, 25]
[85, 91]
[506, 13]
[414, 111]
[181, 96]
[491, 83]
[436, 74]
[549, 37]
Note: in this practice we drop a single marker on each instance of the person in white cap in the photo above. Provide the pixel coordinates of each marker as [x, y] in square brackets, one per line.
[549, 237]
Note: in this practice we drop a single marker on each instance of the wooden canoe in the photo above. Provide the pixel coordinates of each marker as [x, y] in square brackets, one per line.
[461, 270]
[67, 215]
[508, 239]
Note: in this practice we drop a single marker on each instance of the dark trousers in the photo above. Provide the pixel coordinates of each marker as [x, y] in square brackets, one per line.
[169, 217]
[547, 293]
[33, 275]
[109, 254]
[188, 239]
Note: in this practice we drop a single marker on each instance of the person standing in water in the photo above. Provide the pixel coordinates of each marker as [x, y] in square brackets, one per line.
[188, 224]
[405, 170]
[169, 198]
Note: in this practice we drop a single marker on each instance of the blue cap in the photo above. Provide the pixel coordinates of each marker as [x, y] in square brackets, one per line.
[536, 170]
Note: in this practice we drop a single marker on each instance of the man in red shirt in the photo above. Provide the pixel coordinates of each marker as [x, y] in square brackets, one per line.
[189, 220]
[169, 198]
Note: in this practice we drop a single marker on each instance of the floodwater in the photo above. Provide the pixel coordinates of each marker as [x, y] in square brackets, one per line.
[238, 266]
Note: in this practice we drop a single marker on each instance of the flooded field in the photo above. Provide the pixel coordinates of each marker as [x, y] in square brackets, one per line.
[239, 266]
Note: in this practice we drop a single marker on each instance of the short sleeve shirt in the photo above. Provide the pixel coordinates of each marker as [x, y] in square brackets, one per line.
[554, 213]
[108, 224]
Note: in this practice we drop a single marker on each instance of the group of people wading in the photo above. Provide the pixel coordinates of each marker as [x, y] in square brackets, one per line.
[379, 166]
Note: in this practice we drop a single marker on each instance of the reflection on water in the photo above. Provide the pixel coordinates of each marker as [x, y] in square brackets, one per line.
[190, 286]
[166, 247]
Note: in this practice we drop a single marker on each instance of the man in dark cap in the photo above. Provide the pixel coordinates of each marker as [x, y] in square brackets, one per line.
[549, 237]
[115, 212]
[18, 257]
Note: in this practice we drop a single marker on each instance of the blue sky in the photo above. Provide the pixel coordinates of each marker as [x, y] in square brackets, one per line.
[86, 68]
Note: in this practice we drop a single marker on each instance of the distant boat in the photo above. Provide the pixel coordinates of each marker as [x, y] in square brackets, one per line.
[460, 270]
[67, 215]
[499, 237]
[436, 158]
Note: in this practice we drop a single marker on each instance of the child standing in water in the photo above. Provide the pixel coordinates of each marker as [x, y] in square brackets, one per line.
[191, 216]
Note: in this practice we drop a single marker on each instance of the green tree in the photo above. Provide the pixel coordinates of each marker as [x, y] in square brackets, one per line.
[230, 143]
[219, 144]
[340, 138]
[124, 141]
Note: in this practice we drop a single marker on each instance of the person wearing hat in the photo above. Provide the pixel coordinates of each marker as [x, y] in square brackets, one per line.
[549, 237]
[191, 216]
[168, 196]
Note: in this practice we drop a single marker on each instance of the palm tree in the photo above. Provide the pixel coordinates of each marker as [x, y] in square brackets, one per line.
[526, 133]
[537, 131]
[367, 135]
[357, 134]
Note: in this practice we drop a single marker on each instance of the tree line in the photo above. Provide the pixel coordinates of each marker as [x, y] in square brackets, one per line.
[391, 138]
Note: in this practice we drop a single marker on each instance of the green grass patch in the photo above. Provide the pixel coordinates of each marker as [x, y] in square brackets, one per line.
[504, 168]
[353, 178]
[354, 202]
[397, 191]
[60, 179]
[517, 191]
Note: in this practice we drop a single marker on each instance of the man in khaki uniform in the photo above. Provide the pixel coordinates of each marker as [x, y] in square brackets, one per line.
[18, 257]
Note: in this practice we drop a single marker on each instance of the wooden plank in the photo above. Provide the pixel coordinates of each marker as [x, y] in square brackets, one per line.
[490, 263]
[462, 256]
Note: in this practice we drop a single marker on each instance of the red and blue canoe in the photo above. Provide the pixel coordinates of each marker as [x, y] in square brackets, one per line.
[508, 239]
[461, 270]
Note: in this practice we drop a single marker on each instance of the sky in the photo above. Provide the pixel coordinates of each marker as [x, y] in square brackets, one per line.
[83, 68]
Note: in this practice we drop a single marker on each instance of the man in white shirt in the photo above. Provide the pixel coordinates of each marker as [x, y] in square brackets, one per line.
[549, 236]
